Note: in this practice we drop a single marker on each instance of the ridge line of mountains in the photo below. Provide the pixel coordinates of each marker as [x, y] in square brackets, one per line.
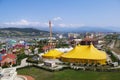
[11, 31]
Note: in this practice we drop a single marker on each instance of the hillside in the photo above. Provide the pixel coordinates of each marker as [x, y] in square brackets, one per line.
[7, 32]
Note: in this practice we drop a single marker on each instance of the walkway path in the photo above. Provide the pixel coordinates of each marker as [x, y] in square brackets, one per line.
[23, 63]
[116, 55]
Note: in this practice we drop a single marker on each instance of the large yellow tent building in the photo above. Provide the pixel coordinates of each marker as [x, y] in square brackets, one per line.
[85, 54]
[52, 54]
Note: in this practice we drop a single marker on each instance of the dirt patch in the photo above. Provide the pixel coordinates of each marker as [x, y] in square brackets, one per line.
[28, 77]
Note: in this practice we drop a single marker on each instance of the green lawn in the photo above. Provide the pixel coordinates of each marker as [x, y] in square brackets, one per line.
[68, 74]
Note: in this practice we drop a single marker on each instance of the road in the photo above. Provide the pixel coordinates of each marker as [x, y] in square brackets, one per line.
[112, 44]
[114, 53]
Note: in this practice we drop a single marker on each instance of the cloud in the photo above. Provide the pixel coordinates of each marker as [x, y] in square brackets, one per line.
[70, 25]
[24, 23]
[62, 25]
[21, 22]
[57, 18]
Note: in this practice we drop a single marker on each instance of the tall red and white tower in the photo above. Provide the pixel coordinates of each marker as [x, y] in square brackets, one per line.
[50, 27]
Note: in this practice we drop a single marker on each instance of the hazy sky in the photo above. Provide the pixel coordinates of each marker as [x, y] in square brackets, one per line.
[63, 13]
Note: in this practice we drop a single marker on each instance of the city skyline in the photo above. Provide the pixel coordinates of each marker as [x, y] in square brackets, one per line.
[63, 13]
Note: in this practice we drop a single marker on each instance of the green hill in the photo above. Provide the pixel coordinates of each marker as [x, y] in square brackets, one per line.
[22, 32]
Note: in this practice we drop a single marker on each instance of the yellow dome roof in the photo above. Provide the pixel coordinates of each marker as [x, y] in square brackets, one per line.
[52, 54]
[85, 52]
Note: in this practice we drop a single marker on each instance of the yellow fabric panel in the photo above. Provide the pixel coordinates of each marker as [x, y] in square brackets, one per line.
[85, 53]
[84, 61]
[52, 54]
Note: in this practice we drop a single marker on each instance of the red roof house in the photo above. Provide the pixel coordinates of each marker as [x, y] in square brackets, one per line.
[19, 46]
[8, 58]
[48, 47]
[88, 41]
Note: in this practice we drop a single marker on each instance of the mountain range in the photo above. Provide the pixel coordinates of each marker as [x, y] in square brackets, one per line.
[44, 31]
[86, 29]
